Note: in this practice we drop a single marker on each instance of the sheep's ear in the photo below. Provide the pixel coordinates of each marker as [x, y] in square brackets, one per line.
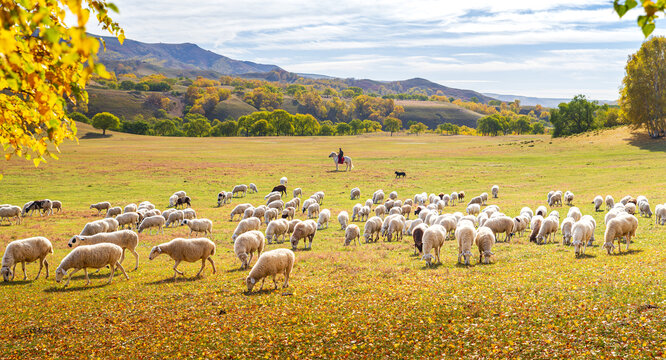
[159, 249]
[252, 280]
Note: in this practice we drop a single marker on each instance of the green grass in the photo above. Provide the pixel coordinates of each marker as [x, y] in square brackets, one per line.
[372, 301]
[433, 113]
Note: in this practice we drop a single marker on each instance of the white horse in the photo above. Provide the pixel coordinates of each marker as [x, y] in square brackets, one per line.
[348, 161]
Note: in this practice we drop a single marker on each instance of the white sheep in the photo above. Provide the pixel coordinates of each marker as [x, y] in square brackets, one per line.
[104, 205]
[343, 219]
[273, 197]
[644, 208]
[433, 238]
[454, 198]
[240, 190]
[473, 209]
[307, 203]
[598, 201]
[99, 226]
[298, 192]
[126, 239]
[380, 211]
[238, 210]
[582, 234]
[394, 227]
[247, 244]
[373, 226]
[172, 200]
[277, 204]
[151, 222]
[189, 250]
[25, 251]
[356, 212]
[245, 226]
[465, 234]
[610, 202]
[131, 219]
[500, 224]
[94, 256]
[202, 225]
[271, 214]
[283, 180]
[114, 211]
[484, 239]
[548, 229]
[10, 212]
[393, 195]
[567, 229]
[289, 213]
[378, 197]
[189, 214]
[541, 211]
[630, 208]
[271, 263]
[364, 213]
[305, 230]
[276, 228]
[621, 226]
[313, 211]
[660, 214]
[555, 199]
[253, 188]
[413, 225]
[520, 223]
[352, 232]
[568, 197]
[57, 205]
[355, 193]
[130, 208]
[174, 218]
[292, 225]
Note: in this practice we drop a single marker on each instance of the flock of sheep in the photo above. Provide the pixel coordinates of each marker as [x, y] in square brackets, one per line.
[103, 242]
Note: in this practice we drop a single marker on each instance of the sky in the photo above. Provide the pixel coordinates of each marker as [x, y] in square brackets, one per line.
[554, 48]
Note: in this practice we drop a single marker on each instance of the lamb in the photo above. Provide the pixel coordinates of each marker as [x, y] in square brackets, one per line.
[644, 208]
[271, 214]
[305, 230]
[238, 210]
[660, 214]
[131, 219]
[369, 203]
[114, 211]
[25, 250]
[313, 211]
[10, 212]
[473, 209]
[276, 228]
[271, 263]
[574, 213]
[568, 197]
[352, 232]
[372, 226]
[246, 245]
[240, 190]
[57, 205]
[94, 256]
[204, 226]
[465, 234]
[484, 239]
[500, 224]
[495, 191]
[245, 226]
[610, 202]
[548, 230]
[343, 219]
[433, 238]
[253, 188]
[319, 195]
[630, 208]
[624, 225]
[598, 201]
[583, 233]
[151, 222]
[289, 213]
[298, 192]
[355, 193]
[126, 239]
[189, 250]
[104, 205]
[567, 230]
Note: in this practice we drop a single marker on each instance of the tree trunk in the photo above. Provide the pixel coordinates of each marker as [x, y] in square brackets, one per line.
[103, 132]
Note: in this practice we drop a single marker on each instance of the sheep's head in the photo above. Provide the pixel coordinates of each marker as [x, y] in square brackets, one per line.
[294, 242]
[243, 258]
[6, 273]
[609, 247]
[467, 255]
[428, 259]
[75, 241]
[486, 256]
[250, 281]
[155, 252]
[59, 274]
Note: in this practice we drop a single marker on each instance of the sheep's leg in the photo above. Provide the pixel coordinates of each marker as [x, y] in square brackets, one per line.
[69, 276]
[262, 284]
[275, 281]
[25, 276]
[13, 272]
[46, 264]
[203, 264]
[176, 271]
[85, 271]
[136, 255]
[211, 263]
[41, 264]
[122, 256]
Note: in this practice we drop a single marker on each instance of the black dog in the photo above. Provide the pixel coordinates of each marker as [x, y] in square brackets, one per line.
[399, 174]
[183, 201]
[280, 188]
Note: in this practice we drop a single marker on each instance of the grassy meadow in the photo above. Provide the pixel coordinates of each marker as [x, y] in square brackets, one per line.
[369, 301]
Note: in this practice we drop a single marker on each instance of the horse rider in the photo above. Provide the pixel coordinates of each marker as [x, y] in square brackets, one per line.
[341, 156]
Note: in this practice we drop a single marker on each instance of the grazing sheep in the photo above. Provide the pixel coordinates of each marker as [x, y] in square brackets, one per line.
[484, 198]
[240, 190]
[412, 226]
[126, 239]
[148, 206]
[630, 208]
[271, 214]
[281, 189]
[248, 213]
[582, 234]
[465, 234]
[548, 230]
[388, 205]
[598, 201]
[495, 191]
[535, 224]
[613, 213]
[568, 197]
[454, 198]
[151, 222]
[378, 197]
[313, 211]
[567, 230]
[277, 204]
[271, 263]
[131, 219]
[305, 230]
[129, 208]
[393, 195]
[25, 251]
[343, 219]
[182, 202]
[555, 199]
[10, 212]
[527, 211]
[485, 239]
[189, 250]
[610, 202]
[100, 226]
[276, 228]
[373, 226]
[482, 218]
[352, 232]
[298, 192]
[644, 208]
[640, 198]
[433, 238]
[239, 210]
[356, 212]
[104, 205]
[307, 203]
[574, 213]
[273, 197]
[417, 236]
[621, 226]
[94, 256]
[660, 214]
[173, 199]
[247, 244]
[500, 224]
[292, 225]
[253, 188]
[245, 226]
[204, 226]
[295, 203]
[283, 180]
[519, 224]
[541, 211]
[380, 211]
[473, 209]
[114, 211]
[355, 193]
[289, 213]
[395, 227]
[476, 200]
[57, 205]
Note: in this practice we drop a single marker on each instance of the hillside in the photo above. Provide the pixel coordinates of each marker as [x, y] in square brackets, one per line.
[533, 101]
[433, 113]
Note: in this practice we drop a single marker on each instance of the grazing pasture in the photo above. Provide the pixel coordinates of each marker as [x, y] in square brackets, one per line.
[371, 301]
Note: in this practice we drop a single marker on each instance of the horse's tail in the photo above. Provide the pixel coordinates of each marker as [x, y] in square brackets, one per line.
[351, 163]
